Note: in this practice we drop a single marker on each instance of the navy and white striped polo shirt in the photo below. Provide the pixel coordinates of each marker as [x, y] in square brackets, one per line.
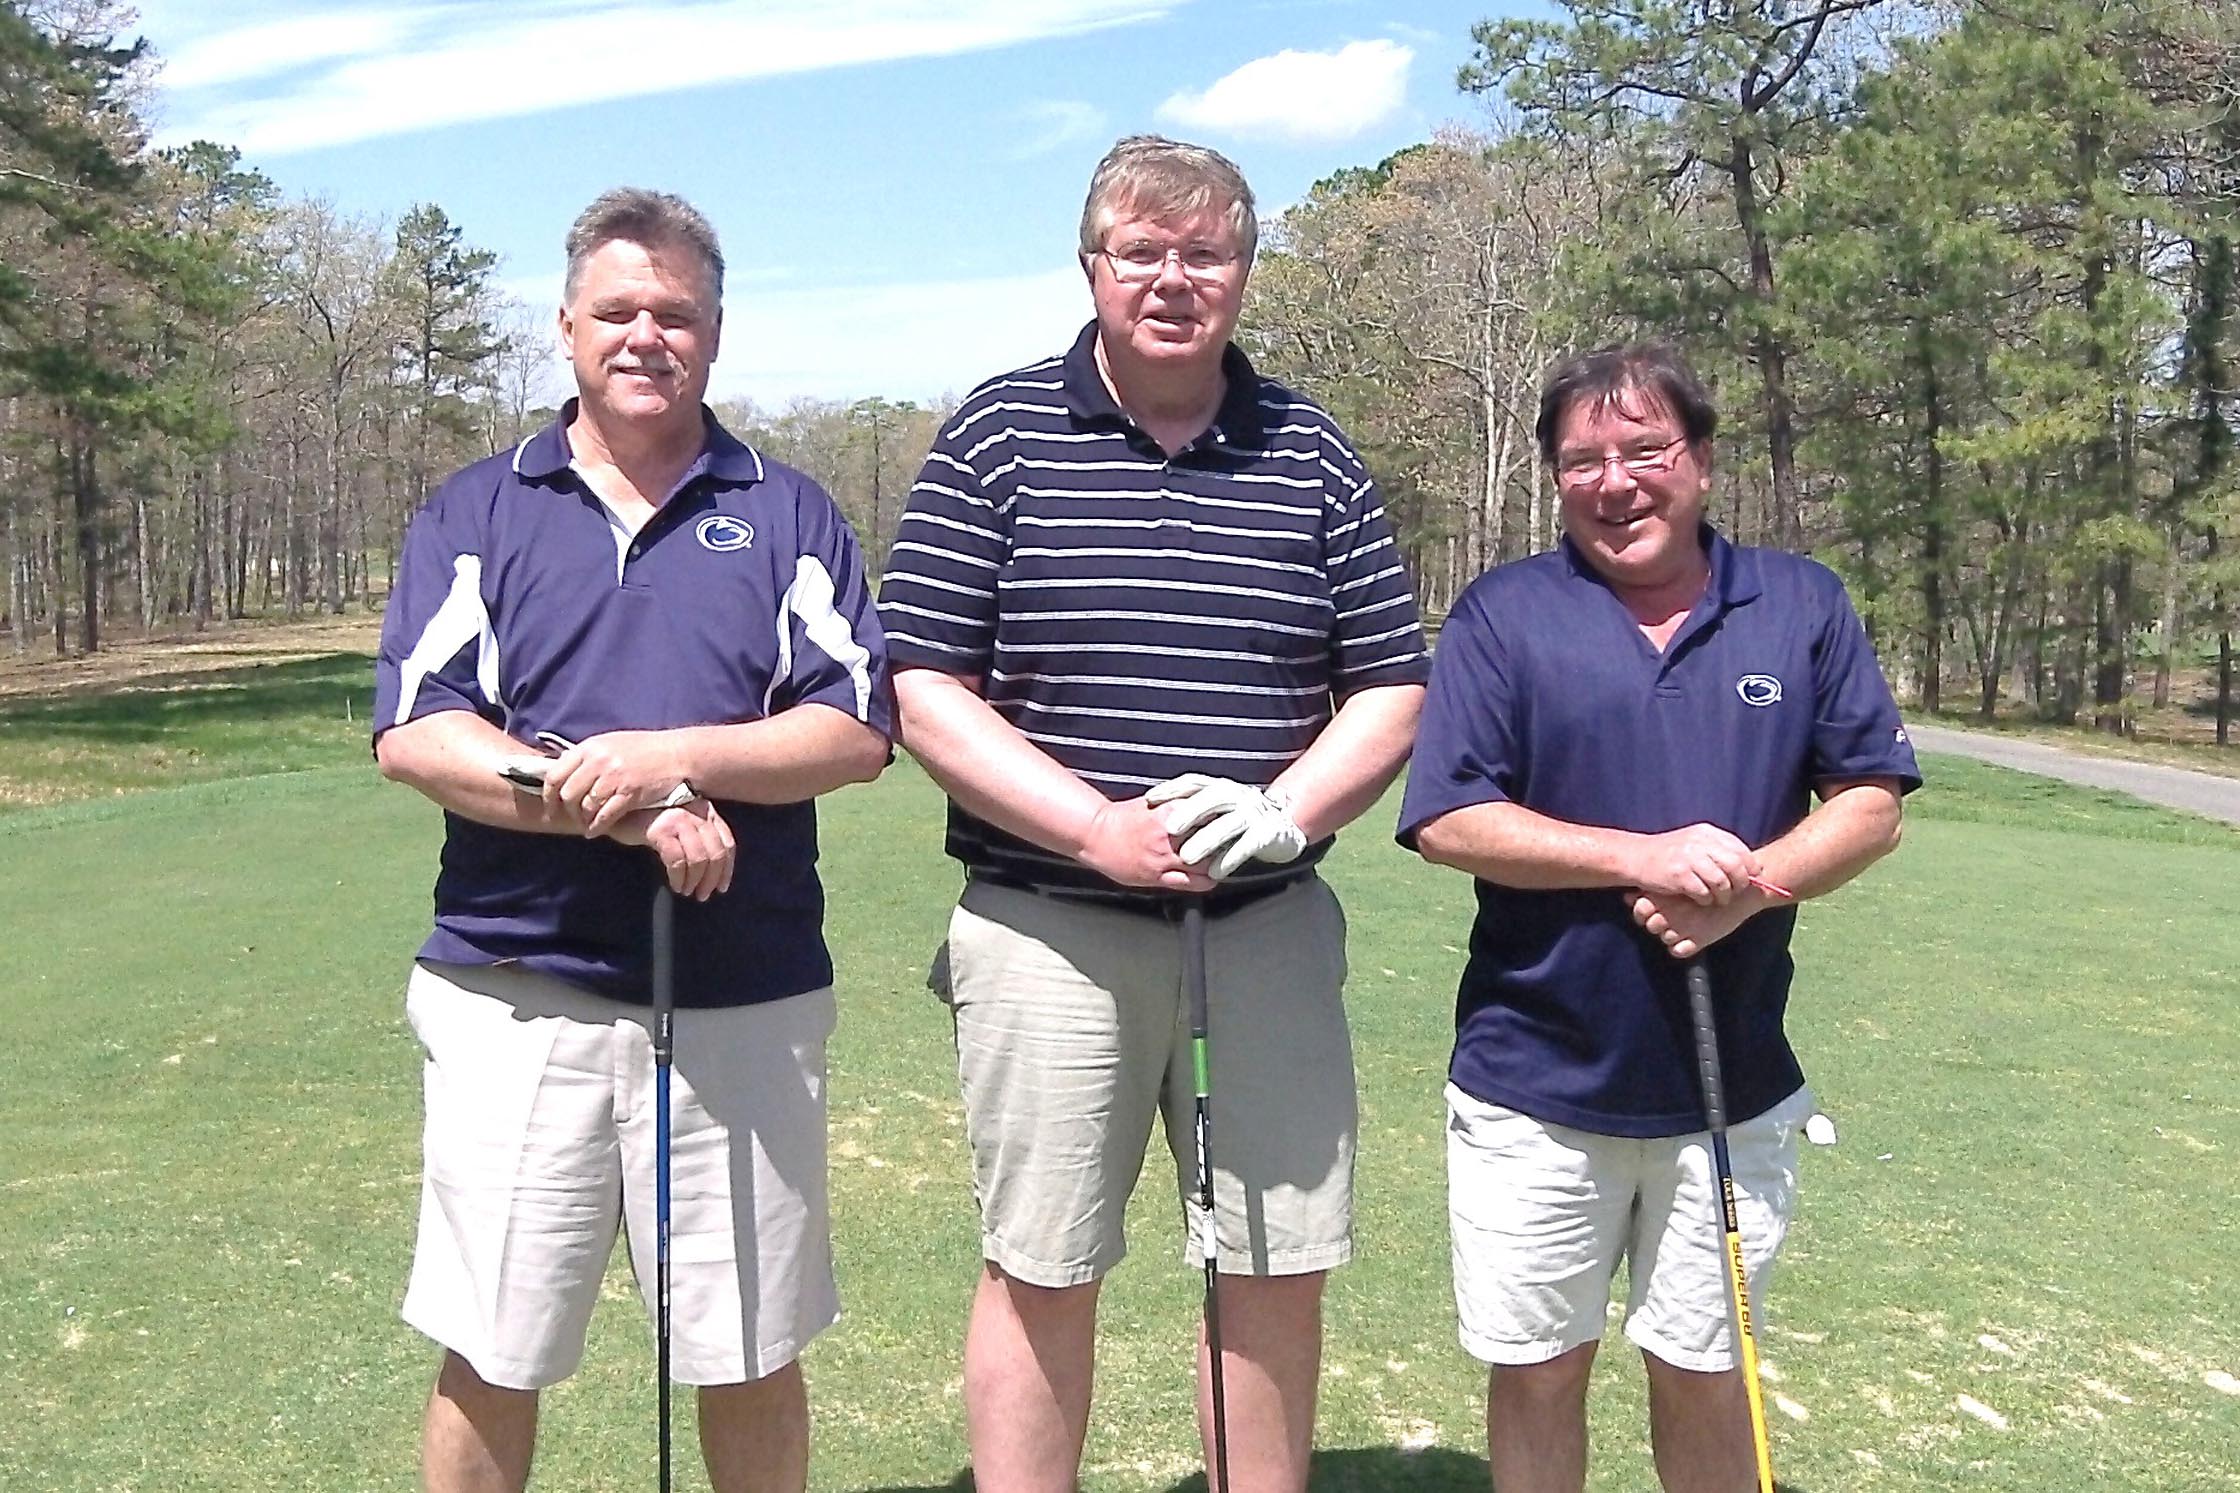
[520, 597]
[1138, 616]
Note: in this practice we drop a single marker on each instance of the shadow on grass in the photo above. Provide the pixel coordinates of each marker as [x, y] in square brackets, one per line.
[1358, 1469]
[961, 1483]
[1350, 1470]
[158, 705]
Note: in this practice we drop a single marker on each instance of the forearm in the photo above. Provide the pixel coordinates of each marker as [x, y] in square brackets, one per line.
[786, 758]
[1855, 825]
[1354, 760]
[452, 758]
[1513, 846]
[983, 762]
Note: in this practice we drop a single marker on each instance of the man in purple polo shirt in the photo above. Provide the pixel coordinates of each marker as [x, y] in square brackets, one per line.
[1621, 743]
[685, 626]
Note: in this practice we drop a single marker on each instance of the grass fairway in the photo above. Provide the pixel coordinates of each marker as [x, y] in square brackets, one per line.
[2015, 1271]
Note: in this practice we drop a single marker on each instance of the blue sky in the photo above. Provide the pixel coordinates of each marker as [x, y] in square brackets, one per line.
[896, 182]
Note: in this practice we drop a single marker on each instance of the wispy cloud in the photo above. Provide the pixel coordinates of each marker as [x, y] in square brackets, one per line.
[262, 49]
[275, 80]
[1053, 124]
[1301, 96]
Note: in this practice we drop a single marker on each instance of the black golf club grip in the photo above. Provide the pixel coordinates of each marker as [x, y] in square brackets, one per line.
[1707, 1046]
[1194, 965]
[664, 969]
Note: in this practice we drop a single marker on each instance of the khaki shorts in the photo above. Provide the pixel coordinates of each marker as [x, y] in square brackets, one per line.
[540, 1141]
[1072, 1035]
[1541, 1214]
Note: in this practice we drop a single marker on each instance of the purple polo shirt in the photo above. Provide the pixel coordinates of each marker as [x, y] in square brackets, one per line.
[519, 597]
[1544, 693]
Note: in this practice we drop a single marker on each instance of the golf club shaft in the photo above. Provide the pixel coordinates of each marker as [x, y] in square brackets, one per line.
[1715, 1118]
[1201, 1065]
[664, 1052]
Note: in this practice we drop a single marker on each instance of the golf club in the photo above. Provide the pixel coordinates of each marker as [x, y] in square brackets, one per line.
[1194, 991]
[1715, 1118]
[664, 1047]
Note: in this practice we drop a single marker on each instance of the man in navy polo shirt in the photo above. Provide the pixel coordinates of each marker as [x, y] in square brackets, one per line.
[686, 626]
[1152, 635]
[1621, 744]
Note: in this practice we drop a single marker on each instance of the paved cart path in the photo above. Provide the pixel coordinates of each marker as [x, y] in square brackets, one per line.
[2173, 787]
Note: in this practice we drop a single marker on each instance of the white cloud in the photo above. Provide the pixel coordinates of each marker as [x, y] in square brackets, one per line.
[261, 49]
[295, 81]
[1301, 96]
[1053, 124]
[904, 341]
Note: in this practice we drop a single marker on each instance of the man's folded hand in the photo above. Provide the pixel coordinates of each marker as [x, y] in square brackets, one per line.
[1220, 824]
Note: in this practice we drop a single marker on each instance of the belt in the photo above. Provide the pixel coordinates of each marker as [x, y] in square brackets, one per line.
[1218, 903]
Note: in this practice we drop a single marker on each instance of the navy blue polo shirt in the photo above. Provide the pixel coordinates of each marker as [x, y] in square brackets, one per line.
[521, 598]
[1138, 614]
[1545, 693]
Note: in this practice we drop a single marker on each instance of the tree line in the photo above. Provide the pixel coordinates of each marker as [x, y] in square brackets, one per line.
[1960, 271]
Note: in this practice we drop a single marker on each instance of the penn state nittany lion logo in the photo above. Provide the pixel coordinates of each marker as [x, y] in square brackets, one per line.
[1758, 689]
[723, 533]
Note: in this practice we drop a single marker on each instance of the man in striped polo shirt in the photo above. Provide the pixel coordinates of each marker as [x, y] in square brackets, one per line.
[1153, 637]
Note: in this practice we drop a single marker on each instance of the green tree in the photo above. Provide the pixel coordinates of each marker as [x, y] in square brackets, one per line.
[1717, 101]
[448, 349]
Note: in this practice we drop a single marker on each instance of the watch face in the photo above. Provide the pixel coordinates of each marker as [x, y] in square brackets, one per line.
[525, 772]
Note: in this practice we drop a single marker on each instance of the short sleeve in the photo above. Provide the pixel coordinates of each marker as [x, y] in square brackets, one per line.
[1465, 751]
[937, 599]
[1856, 732]
[438, 651]
[1376, 634]
[833, 651]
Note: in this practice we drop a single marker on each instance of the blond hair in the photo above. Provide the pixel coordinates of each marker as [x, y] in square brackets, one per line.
[1154, 177]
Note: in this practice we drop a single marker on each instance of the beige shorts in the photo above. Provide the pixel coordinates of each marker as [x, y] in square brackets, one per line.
[1072, 1035]
[539, 1141]
[1541, 1214]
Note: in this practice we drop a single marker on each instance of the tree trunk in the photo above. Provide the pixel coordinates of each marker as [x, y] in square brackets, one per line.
[2224, 683]
[1932, 530]
[2173, 570]
[2111, 602]
[2068, 654]
[19, 592]
[85, 503]
[1766, 351]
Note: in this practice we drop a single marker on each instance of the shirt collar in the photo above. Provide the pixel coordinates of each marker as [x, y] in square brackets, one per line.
[722, 455]
[1238, 418]
[1734, 572]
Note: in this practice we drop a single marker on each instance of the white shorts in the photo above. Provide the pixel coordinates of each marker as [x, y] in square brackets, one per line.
[1541, 1215]
[539, 1141]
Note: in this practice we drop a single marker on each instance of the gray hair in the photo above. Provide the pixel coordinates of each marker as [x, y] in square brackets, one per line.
[1155, 177]
[647, 218]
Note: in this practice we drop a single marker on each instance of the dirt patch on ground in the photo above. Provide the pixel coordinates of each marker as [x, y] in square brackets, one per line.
[124, 661]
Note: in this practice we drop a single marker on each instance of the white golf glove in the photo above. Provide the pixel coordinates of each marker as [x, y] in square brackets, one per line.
[1227, 822]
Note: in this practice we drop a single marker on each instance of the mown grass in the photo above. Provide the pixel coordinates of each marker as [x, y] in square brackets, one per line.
[2021, 1024]
[188, 727]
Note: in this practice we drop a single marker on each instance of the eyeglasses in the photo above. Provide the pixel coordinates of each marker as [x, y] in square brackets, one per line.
[1583, 471]
[1141, 262]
